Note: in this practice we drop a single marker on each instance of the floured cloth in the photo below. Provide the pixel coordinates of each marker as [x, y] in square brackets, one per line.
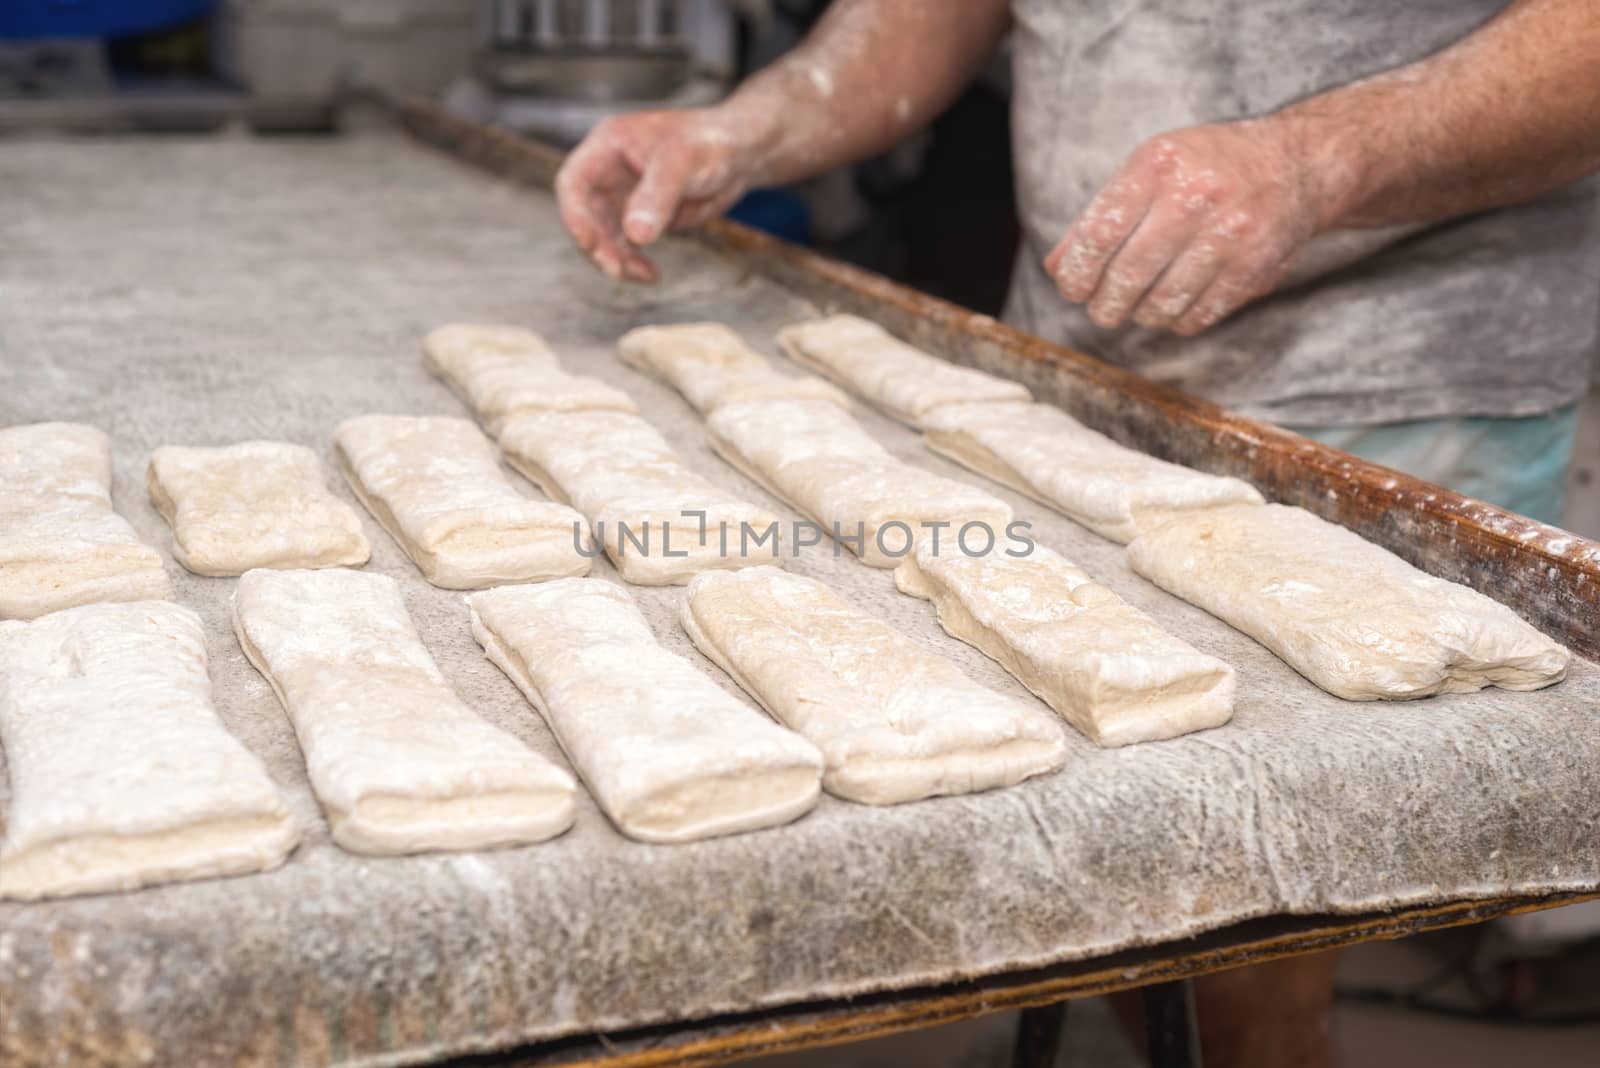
[1350, 616]
[894, 722]
[668, 755]
[255, 504]
[60, 542]
[711, 365]
[897, 378]
[399, 764]
[121, 774]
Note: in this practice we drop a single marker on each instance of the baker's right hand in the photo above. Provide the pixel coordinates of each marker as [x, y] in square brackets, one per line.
[637, 176]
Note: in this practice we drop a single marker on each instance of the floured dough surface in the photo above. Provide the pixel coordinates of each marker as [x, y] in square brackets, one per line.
[254, 504]
[399, 764]
[644, 503]
[1350, 616]
[1108, 668]
[436, 486]
[894, 721]
[900, 379]
[711, 365]
[815, 456]
[1042, 451]
[455, 344]
[669, 755]
[61, 544]
[122, 775]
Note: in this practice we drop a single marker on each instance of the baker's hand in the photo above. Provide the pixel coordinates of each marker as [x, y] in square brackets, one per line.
[1196, 224]
[636, 176]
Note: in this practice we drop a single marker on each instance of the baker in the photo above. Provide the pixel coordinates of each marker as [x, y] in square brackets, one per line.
[1365, 221]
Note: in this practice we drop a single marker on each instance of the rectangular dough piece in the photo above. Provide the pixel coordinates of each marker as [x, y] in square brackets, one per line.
[399, 764]
[1350, 616]
[436, 486]
[668, 754]
[895, 722]
[501, 372]
[122, 775]
[899, 379]
[1108, 668]
[711, 365]
[620, 472]
[61, 544]
[254, 504]
[1039, 450]
[815, 456]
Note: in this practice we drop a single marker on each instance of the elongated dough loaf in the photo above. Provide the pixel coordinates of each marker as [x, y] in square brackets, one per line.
[60, 542]
[711, 365]
[122, 775]
[435, 485]
[1350, 616]
[815, 456]
[255, 504]
[648, 509]
[1042, 451]
[899, 379]
[398, 762]
[1108, 668]
[894, 721]
[666, 752]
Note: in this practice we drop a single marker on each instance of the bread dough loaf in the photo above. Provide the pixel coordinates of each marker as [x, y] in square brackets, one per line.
[255, 504]
[60, 542]
[1040, 450]
[1352, 617]
[666, 752]
[711, 365]
[900, 380]
[1108, 668]
[399, 764]
[643, 502]
[501, 372]
[894, 721]
[122, 775]
[815, 456]
[435, 485]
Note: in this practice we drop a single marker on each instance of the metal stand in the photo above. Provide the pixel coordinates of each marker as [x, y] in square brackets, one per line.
[1171, 1028]
[1039, 1036]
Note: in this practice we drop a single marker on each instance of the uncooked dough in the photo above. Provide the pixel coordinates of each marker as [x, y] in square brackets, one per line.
[122, 775]
[255, 504]
[815, 456]
[1108, 668]
[399, 764]
[669, 755]
[899, 379]
[60, 542]
[647, 508]
[435, 485]
[711, 365]
[1042, 451]
[894, 721]
[1350, 616]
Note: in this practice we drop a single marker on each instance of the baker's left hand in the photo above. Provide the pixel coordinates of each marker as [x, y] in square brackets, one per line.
[1196, 224]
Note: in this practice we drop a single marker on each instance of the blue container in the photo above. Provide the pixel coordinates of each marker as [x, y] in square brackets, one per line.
[94, 18]
[779, 212]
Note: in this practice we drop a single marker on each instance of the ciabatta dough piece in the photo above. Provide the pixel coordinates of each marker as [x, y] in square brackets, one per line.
[1352, 617]
[60, 542]
[1108, 668]
[815, 456]
[501, 372]
[255, 504]
[647, 508]
[711, 365]
[435, 485]
[399, 764]
[1042, 451]
[895, 377]
[669, 755]
[122, 775]
[894, 721]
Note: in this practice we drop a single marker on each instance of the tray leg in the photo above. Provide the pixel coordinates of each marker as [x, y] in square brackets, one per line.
[1039, 1036]
[1171, 1028]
